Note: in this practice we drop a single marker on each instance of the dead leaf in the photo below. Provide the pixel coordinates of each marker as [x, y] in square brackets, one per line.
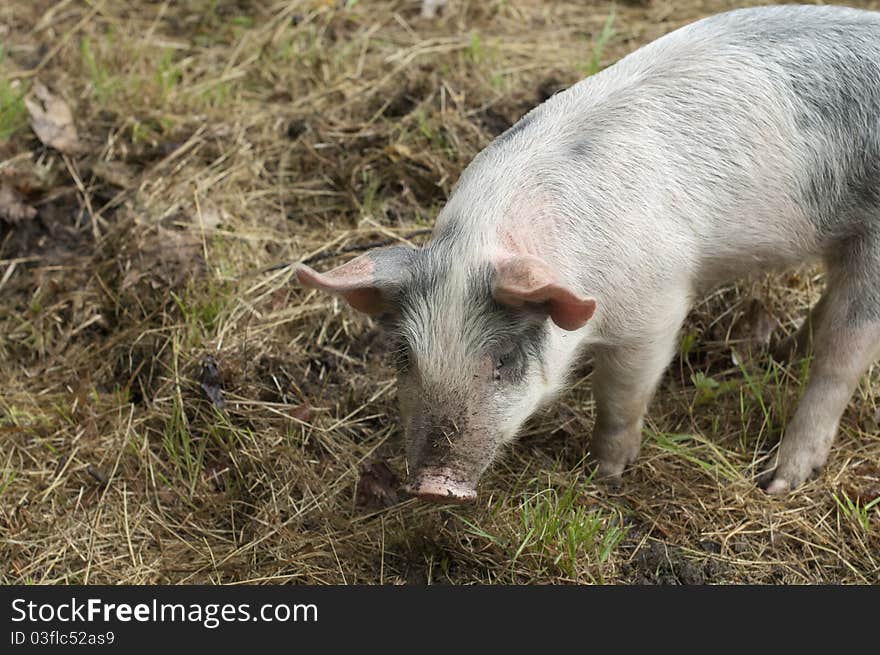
[52, 120]
[398, 151]
[210, 381]
[376, 486]
[302, 412]
[27, 177]
[99, 476]
[12, 206]
[863, 483]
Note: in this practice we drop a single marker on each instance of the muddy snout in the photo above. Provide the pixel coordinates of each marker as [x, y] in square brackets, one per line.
[440, 486]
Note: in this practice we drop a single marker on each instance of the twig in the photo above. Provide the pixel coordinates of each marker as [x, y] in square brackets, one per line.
[74, 173]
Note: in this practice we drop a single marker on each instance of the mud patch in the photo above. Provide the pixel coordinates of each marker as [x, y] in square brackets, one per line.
[658, 563]
[51, 236]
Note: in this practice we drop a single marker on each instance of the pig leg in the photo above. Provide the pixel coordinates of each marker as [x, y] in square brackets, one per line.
[624, 380]
[846, 339]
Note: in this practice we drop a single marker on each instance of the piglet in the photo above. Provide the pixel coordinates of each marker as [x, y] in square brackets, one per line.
[745, 142]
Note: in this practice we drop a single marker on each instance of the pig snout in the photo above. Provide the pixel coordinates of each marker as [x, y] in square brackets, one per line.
[441, 486]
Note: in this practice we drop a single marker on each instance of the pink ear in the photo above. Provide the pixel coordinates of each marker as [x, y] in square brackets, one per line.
[355, 281]
[365, 281]
[529, 280]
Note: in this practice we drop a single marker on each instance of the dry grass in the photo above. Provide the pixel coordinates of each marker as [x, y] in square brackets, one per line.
[223, 137]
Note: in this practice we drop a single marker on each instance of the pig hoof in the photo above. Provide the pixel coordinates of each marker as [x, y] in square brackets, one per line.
[778, 487]
[611, 475]
[613, 483]
[778, 484]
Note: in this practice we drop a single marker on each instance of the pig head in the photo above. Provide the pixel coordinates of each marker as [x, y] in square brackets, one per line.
[477, 349]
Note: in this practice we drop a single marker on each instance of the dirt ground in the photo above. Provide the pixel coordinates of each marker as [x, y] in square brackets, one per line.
[174, 409]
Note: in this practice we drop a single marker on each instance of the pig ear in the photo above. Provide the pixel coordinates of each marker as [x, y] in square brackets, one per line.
[522, 281]
[365, 281]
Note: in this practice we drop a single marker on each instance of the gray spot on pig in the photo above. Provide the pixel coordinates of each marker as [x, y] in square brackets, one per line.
[391, 267]
[858, 271]
[838, 110]
[482, 326]
[583, 149]
[831, 77]
[392, 263]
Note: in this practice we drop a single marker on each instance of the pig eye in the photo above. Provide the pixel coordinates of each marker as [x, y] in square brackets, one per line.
[510, 364]
[504, 364]
[499, 366]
